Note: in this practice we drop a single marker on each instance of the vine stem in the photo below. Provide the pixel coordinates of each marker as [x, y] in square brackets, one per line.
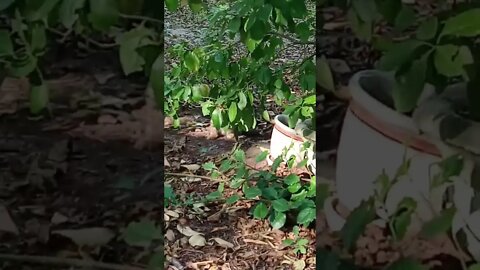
[66, 262]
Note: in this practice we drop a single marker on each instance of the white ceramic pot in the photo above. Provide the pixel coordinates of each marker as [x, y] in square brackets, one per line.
[373, 139]
[284, 137]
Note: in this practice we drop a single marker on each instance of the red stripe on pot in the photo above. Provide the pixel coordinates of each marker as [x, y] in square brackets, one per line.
[393, 133]
[295, 137]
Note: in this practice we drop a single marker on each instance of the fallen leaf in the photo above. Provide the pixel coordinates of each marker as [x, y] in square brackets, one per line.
[165, 162]
[339, 66]
[6, 222]
[187, 231]
[171, 213]
[192, 167]
[299, 265]
[197, 241]
[58, 218]
[102, 78]
[88, 236]
[223, 243]
[107, 119]
[170, 235]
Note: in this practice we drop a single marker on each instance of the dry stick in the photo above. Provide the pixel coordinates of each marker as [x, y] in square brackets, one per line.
[193, 175]
[66, 262]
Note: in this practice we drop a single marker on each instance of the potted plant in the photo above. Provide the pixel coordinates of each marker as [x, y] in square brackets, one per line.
[414, 107]
[297, 142]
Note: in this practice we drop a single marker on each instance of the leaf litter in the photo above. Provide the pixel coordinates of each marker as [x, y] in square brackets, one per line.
[61, 192]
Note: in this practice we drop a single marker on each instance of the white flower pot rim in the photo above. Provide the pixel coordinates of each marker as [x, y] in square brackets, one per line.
[381, 118]
[285, 129]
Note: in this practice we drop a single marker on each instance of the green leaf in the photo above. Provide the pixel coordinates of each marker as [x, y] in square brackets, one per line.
[232, 199]
[322, 195]
[466, 24]
[447, 60]
[252, 192]
[141, 233]
[24, 66]
[242, 103]
[293, 188]
[279, 220]
[306, 216]
[310, 100]
[6, 45]
[172, 5]
[324, 74]
[409, 86]
[401, 221]
[439, 224]
[103, 14]
[405, 18]
[280, 205]
[264, 12]
[258, 30]
[195, 5]
[399, 54]
[452, 166]
[406, 264]
[39, 10]
[260, 211]
[390, 9]
[68, 11]
[356, 223]
[474, 266]
[264, 75]
[261, 157]
[232, 112]
[366, 9]
[291, 179]
[213, 196]
[249, 23]
[266, 115]
[4, 4]
[156, 262]
[192, 62]
[38, 37]
[38, 98]
[428, 29]
[303, 31]
[129, 42]
[156, 79]
[307, 81]
[209, 166]
[239, 156]
[362, 29]
[234, 25]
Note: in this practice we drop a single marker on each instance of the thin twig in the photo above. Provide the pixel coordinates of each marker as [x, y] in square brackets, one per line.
[193, 175]
[142, 18]
[65, 262]
[291, 39]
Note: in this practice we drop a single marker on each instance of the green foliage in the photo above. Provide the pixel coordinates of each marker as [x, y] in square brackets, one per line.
[31, 26]
[238, 80]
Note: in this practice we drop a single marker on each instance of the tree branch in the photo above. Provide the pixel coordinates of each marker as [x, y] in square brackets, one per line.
[291, 39]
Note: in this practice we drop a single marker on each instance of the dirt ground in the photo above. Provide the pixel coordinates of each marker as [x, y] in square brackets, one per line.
[72, 180]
